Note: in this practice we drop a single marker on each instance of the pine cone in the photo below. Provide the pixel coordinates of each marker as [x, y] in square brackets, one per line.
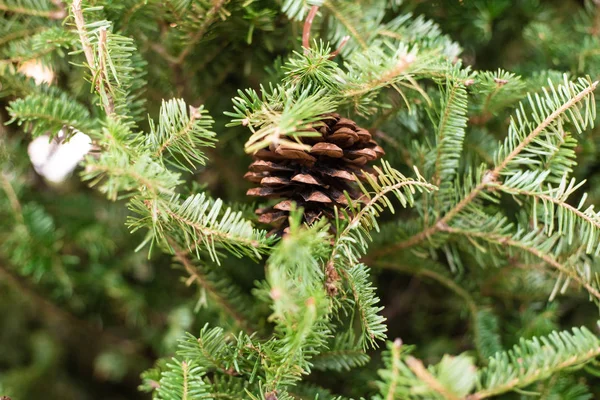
[315, 179]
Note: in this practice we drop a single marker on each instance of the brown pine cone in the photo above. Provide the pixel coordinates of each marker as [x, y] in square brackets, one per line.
[315, 179]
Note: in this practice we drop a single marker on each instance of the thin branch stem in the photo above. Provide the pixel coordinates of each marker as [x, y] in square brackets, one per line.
[181, 133]
[358, 216]
[181, 257]
[307, 25]
[340, 47]
[89, 52]
[417, 367]
[12, 197]
[80, 23]
[214, 233]
[540, 128]
[391, 393]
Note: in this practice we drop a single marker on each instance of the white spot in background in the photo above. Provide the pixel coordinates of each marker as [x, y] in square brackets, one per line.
[55, 159]
[38, 71]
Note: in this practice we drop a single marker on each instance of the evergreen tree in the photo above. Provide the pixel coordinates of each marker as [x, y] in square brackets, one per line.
[461, 265]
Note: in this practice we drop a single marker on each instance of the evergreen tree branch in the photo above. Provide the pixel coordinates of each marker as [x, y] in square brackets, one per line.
[182, 381]
[348, 24]
[536, 360]
[554, 204]
[352, 242]
[450, 133]
[491, 176]
[394, 372]
[210, 17]
[181, 257]
[199, 218]
[417, 367]
[582, 95]
[56, 14]
[547, 258]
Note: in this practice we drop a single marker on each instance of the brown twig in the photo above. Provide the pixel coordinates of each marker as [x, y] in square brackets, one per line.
[89, 52]
[340, 47]
[307, 25]
[306, 33]
[80, 23]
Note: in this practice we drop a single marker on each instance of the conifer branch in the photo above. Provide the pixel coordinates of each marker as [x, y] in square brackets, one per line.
[210, 17]
[547, 258]
[181, 257]
[199, 219]
[83, 36]
[349, 26]
[569, 215]
[535, 360]
[417, 367]
[541, 127]
[490, 176]
[56, 14]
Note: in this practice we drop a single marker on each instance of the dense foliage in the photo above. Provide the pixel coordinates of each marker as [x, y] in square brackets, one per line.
[467, 270]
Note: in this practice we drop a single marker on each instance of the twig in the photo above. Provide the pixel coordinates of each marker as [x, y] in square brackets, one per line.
[109, 106]
[391, 393]
[181, 256]
[530, 378]
[12, 197]
[417, 367]
[306, 34]
[307, 25]
[340, 47]
[80, 23]
[89, 52]
[356, 219]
